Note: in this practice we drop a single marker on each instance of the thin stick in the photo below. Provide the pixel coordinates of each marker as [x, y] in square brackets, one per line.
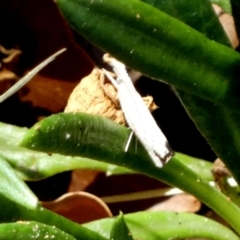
[29, 76]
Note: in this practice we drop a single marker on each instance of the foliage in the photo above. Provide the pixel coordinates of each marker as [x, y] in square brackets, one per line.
[178, 42]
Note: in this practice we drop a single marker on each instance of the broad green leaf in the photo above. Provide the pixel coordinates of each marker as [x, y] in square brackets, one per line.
[101, 139]
[18, 203]
[201, 167]
[13, 191]
[167, 225]
[158, 45]
[164, 48]
[217, 123]
[224, 4]
[11, 212]
[219, 126]
[32, 165]
[198, 14]
[120, 230]
[31, 230]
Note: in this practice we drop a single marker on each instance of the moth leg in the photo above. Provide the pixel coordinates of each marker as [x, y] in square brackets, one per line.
[110, 78]
[128, 142]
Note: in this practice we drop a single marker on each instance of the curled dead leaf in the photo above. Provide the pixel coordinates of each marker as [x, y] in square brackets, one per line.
[8, 67]
[219, 170]
[178, 203]
[221, 175]
[96, 95]
[80, 207]
[228, 25]
[81, 179]
[91, 97]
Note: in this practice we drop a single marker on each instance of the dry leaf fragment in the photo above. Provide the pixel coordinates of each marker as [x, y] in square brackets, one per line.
[81, 179]
[228, 25]
[8, 67]
[11, 54]
[80, 207]
[219, 170]
[89, 96]
[178, 203]
[222, 177]
[96, 95]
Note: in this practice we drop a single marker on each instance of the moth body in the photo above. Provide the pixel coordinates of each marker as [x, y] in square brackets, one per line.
[139, 117]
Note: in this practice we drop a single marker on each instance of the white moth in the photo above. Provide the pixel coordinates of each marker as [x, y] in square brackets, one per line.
[138, 116]
[29, 76]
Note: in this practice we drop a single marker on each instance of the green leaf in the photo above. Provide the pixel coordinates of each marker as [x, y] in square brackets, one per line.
[13, 190]
[167, 225]
[101, 139]
[217, 123]
[164, 48]
[221, 128]
[31, 230]
[120, 230]
[13, 212]
[158, 45]
[198, 14]
[201, 167]
[224, 4]
[32, 165]
[18, 203]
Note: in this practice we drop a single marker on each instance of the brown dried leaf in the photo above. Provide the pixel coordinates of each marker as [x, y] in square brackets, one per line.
[90, 97]
[11, 57]
[80, 207]
[95, 95]
[178, 203]
[228, 25]
[219, 170]
[81, 179]
[8, 66]
[221, 175]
